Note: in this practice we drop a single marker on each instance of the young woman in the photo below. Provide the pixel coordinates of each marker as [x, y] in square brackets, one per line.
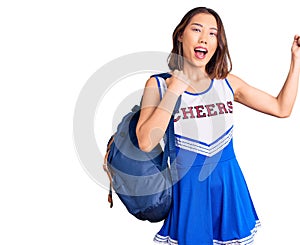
[211, 204]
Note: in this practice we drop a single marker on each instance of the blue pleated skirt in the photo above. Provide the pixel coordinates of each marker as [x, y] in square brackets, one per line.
[211, 202]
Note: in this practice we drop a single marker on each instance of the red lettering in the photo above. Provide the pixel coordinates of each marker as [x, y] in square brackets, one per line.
[199, 111]
[230, 106]
[177, 118]
[222, 108]
[210, 110]
[205, 110]
[190, 111]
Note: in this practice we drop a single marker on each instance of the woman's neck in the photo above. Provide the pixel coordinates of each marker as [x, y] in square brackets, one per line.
[195, 74]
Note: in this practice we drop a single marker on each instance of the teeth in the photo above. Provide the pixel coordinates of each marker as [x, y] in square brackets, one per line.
[201, 50]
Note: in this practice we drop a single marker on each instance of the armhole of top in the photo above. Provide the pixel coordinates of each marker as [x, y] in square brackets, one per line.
[228, 84]
[161, 84]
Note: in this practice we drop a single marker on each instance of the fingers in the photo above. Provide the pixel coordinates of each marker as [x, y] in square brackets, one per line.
[195, 81]
[297, 40]
[196, 76]
[296, 47]
[181, 76]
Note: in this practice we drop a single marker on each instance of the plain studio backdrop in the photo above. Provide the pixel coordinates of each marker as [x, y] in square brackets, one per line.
[49, 50]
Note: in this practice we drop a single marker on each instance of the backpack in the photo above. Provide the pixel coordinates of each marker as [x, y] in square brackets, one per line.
[142, 180]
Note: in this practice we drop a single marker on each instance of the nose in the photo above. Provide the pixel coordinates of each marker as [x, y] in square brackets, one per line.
[203, 37]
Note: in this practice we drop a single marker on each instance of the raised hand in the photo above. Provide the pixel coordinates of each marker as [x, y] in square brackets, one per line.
[179, 82]
[296, 47]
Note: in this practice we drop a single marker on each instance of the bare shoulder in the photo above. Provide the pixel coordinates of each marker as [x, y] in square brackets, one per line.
[151, 83]
[151, 94]
[151, 91]
[233, 79]
[235, 82]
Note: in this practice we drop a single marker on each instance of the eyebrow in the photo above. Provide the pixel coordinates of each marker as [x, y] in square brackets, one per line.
[198, 24]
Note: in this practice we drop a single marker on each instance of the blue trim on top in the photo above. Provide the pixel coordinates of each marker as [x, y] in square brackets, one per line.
[159, 87]
[205, 91]
[203, 143]
[164, 75]
[228, 84]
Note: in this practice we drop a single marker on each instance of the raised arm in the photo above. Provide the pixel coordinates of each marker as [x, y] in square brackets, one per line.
[153, 119]
[280, 106]
[156, 113]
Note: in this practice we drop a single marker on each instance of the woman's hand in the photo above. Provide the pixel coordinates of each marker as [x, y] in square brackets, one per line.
[282, 104]
[296, 47]
[194, 81]
[178, 82]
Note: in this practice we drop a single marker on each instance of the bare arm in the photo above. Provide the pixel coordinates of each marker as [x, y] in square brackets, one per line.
[155, 113]
[154, 116]
[280, 106]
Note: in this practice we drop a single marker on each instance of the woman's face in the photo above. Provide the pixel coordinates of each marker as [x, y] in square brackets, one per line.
[199, 40]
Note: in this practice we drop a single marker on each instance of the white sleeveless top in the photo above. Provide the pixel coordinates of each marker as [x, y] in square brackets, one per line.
[204, 122]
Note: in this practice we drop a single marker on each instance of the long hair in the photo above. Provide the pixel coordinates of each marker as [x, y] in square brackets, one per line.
[220, 64]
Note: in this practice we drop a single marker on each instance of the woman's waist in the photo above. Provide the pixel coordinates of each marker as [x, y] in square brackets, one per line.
[188, 157]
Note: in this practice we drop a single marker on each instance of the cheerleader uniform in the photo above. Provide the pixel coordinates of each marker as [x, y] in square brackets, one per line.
[211, 201]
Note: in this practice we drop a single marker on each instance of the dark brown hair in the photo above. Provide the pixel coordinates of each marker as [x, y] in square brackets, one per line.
[220, 64]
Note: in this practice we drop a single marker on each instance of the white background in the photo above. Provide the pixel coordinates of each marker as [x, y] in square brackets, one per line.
[49, 49]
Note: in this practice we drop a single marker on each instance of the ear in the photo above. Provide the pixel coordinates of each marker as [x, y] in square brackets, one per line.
[180, 38]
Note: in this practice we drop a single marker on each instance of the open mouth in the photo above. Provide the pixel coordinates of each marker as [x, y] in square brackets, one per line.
[200, 52]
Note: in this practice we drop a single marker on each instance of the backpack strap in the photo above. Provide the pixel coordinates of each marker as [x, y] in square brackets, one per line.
[162, 87]
[170, 148]
[105, 168]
